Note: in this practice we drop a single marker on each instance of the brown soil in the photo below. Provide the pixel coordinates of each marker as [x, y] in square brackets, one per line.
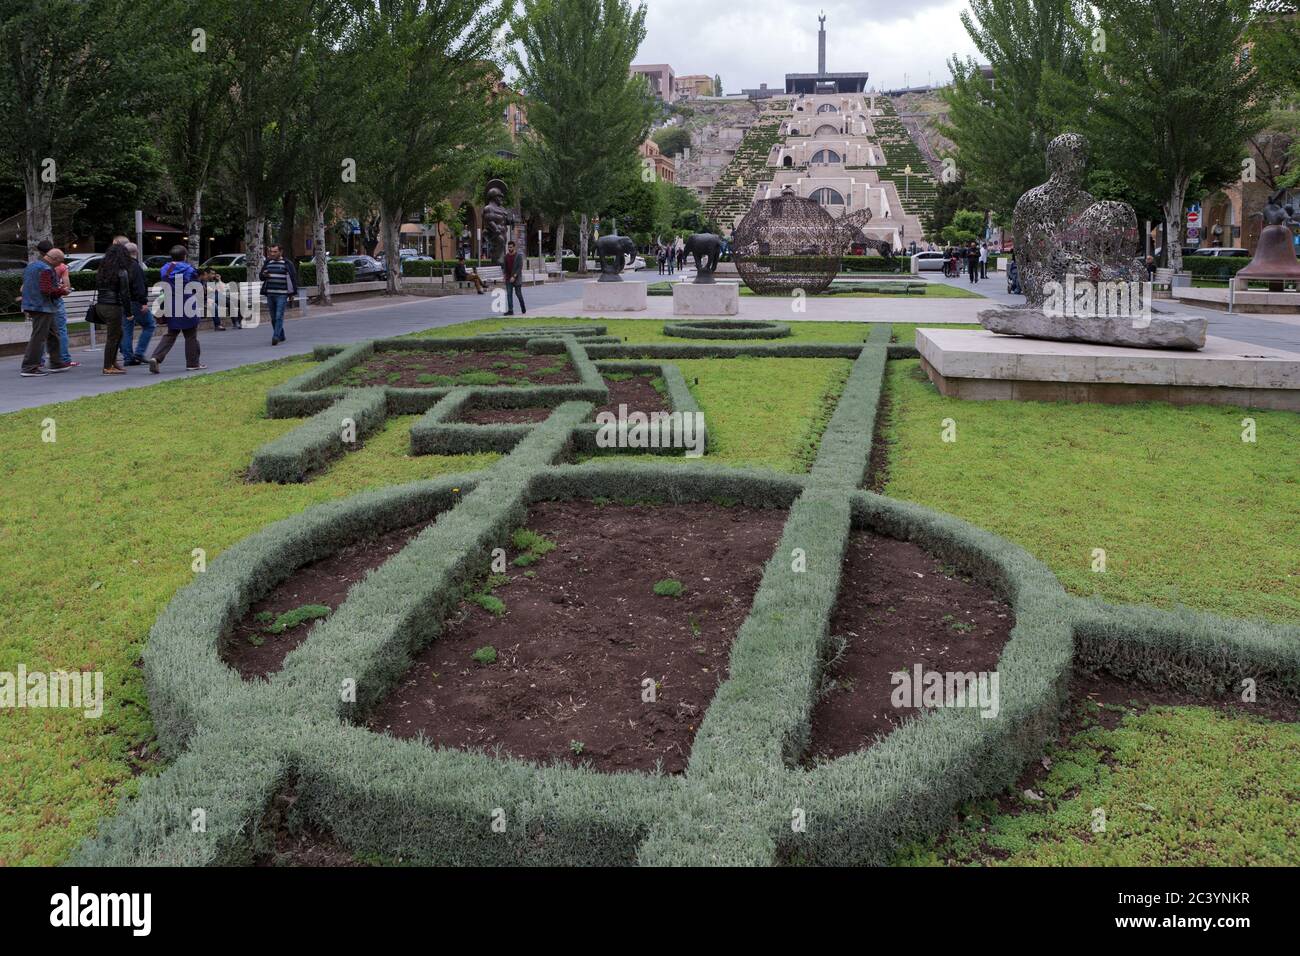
[878, 463]
[403, 369]
[324, 582]
[504, 416]
[637, 393]
[898, 607]
[580, 636]
[299, 846]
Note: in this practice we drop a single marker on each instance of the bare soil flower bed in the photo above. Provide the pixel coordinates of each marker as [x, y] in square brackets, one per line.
[898, 607]
[637, 392]
[581, 638]
[255, 651]
[422, 368]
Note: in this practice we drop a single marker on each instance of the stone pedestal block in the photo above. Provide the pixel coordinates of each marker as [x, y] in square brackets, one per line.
[622, 296]
[712, 298]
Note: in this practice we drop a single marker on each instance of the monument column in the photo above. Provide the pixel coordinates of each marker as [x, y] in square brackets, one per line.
[821, 45]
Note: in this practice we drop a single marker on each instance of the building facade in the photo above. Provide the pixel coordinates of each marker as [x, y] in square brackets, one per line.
[660, 76]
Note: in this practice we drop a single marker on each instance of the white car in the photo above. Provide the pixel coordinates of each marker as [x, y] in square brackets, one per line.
[226, 260]
[1219, 251]
[929, 261]
[84, 261]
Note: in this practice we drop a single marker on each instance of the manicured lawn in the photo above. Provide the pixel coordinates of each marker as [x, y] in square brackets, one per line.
[1185, 510]
[99, 528]
[651, 330]
[1177, 786]
[905, 332]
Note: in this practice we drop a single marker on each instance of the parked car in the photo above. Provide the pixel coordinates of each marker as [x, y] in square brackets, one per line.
[156, 262]
[931, 261]
[227, 260]
[1222, 251]
[84, 261]
[368, 269]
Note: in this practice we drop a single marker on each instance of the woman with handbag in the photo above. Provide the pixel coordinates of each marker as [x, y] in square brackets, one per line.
[112, 298]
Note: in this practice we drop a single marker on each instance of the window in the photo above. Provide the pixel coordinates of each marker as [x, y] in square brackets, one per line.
[827, 108]
[827, 156]
[827, 197]
[826, 131]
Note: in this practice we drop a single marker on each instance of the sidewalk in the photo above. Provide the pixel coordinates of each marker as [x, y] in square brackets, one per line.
[304, 329]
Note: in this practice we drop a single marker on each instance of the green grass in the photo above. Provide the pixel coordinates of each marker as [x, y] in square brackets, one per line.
[1185, 510]
[651, 330]
[668, 588]
[299, 615]
[98, 535]
[1176, 786]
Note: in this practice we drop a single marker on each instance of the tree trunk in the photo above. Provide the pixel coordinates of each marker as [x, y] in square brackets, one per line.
[40, 218]
[582, 244]
[322, 262]
[254, 233]
[1174, 221]
[391, 224]
[194, 226]
[559, 245]
[288, 223]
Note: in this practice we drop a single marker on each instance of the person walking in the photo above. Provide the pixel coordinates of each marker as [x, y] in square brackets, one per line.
[973, 263]
[984, 260]
[41, 292]
[181, 312]
[137, 313]
[512, 271]
[210, 279]
[113, 302]
[279, 281]
[61, 315]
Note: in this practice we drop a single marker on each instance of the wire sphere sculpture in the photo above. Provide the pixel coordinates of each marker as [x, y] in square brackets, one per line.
[785, 243]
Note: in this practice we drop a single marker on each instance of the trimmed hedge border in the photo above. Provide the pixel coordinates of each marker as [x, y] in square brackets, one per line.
[722, 329]
[237, 744]
[296, 455]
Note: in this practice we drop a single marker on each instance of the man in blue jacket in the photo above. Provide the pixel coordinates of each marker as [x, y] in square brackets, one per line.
[41, 292]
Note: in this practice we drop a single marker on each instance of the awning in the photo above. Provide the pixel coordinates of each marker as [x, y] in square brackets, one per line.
[153, 225]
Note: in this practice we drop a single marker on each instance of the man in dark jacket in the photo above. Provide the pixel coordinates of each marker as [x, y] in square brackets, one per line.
[279, 281]
[133, 350]
[464, 275]
[512, 271]
[41, 292]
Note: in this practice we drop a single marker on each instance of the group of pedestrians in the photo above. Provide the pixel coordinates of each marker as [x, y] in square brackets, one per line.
[972, 258]
[671, 256]
[123, 306]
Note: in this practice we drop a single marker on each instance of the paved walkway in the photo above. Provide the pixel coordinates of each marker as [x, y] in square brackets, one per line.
[347, 321]
[367, 318]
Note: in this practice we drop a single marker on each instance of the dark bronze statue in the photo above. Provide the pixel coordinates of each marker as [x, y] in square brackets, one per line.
[497, 220]
[705, 247]
[611, 250]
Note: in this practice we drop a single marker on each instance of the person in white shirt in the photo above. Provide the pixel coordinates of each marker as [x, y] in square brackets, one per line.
[984, 260]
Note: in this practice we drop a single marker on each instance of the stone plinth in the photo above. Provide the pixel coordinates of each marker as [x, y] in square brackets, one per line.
[983, 365]
[1151, 332]
[710, 298]
[621, 296]
[1242, 300]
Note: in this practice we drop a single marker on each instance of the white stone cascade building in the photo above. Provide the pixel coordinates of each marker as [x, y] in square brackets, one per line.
[827, 152]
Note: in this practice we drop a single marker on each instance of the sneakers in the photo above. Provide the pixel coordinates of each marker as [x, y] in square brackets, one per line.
[59, 368]
[275, 341]
[153, 366]
[195, 368]
[134, 361]
[34, 373]
[114, 370]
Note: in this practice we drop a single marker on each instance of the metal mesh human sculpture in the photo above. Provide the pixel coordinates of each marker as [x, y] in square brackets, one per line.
[785, 243]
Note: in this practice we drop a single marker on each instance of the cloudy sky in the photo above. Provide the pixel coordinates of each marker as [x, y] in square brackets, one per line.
[758, 41]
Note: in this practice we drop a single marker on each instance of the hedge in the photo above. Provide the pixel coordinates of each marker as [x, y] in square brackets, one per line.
[727, 329]
[1214, 267]
[296, 455]
[237, 744]
[874, 264]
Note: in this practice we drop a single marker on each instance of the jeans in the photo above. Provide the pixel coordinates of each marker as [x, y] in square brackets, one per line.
[43, 339]
[132, 349]
[513, 290]
[113, 339]
[277, 303]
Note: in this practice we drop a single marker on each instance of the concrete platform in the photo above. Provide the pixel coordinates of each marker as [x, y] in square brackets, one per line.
[624, 296]
[710, 298]
[987, 366]
[1243, 300]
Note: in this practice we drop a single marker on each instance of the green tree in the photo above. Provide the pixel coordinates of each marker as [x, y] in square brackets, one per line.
[264, 95]
[1171, 101]
[671, 140]
[717, 84]
[73, 71]
[1002, 128]
[967, 226]
[587, 114]
[427, 105]
[1274, 35]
